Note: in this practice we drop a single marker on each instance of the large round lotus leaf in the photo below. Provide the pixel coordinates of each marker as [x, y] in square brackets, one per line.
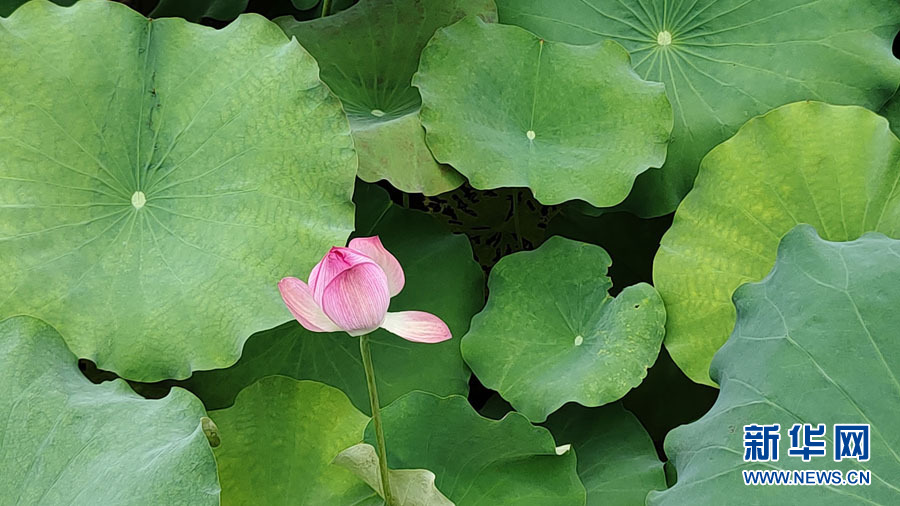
[278, 442]
[66, 440]
[815, 342]
[506, 108]
[551, 333]
[454, 292]
[835, 168]
[368, 55]
[617, 461]
[725, 61]
[478, 461]
[153, 192]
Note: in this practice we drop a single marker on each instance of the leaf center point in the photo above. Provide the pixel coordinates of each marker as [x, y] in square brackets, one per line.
[578, 340]
[530, 135]
[664, 38]
[138, 199]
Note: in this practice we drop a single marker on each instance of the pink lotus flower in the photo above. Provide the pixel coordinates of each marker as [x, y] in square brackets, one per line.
[350, 289]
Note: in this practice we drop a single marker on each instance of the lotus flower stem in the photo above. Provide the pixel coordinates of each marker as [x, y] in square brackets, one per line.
[376, 418]
[326, 6]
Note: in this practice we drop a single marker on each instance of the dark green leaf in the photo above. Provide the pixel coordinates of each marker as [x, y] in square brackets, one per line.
[616, 459]
[478, 461]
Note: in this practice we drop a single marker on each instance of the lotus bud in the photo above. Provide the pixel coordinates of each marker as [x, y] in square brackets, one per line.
[350, 290]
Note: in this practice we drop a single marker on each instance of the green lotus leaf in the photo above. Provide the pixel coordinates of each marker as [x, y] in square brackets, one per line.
[725, 61]
[368, 55]
[410, 487]
[68, 441]
[617, 461]
[815, 342]
[195, 10]
[278, 442]
[569, 122]
[833, 167]
[478, 461]
[551, 333]
[153, 192]
[454, 292]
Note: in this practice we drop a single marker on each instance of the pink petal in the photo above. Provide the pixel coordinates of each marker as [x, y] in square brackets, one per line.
[300, 301]
[372, 248]
[335, 262]
[417, 326]
[357, 299]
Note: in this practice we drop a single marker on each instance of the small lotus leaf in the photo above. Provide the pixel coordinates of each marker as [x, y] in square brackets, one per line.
[569, 122]
[551, 333]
